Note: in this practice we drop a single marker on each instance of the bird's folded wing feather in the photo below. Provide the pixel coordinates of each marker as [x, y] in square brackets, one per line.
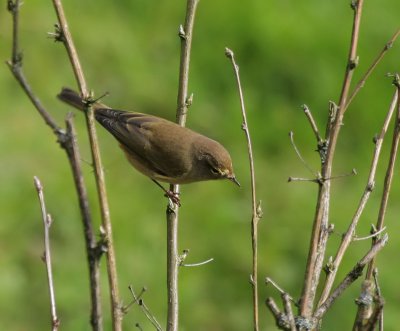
[158, 150]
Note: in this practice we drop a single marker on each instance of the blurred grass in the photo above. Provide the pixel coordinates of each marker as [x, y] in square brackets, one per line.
[289, 53]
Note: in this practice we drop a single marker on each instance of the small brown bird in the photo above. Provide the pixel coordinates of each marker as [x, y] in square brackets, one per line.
[160, 149]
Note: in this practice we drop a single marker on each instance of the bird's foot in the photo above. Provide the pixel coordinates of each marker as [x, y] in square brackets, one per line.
[174, 197]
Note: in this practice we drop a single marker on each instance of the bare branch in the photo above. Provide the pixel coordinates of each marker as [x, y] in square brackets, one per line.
[47, 255]
[377, 60]
[389, 173]
[380, 298]
[183, 102]
[66, 37]
[198, 264]
[92, 249]
[291, 135]
[349, 235]
[138, 300]
[256, 215]
[99, 172]
[268, 280]
[355, 273]
[374, 234]
[67, 141]
[288, 311]
[280, 318]
[15, 65]
[310, 118]
[320, 234]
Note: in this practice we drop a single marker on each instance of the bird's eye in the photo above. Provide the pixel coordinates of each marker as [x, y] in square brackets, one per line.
[215, 171]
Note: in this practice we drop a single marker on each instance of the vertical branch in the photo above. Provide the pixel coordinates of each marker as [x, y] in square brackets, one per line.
[185, 34]
[389, 175]
[256, 210]
[92, 250]
[320, 233]
[98, 169]
[47, 256]
[66, 37]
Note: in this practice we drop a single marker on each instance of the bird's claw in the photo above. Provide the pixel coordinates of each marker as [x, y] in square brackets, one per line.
[173, 196]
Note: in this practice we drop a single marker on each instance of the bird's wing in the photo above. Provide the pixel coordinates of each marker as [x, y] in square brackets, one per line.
[152, 141]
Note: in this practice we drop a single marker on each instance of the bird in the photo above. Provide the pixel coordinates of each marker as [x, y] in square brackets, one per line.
[160, 149]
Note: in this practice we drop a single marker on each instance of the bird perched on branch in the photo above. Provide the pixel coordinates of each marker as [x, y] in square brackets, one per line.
[162, 150]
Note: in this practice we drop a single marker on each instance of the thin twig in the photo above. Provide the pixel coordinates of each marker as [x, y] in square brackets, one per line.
[289, 311]
[378, 59]
[300, 179]
[291, 135]
[375, 234]
[145, 309]
[196, 264]
[313, 124]
[183, 102]
[268, 280]
[280, 318]
[355, 273]
[319, 236]
[67, 141]
[256, 209]
[349, 235]
[15, 65]
[98, 168]
[47, 221]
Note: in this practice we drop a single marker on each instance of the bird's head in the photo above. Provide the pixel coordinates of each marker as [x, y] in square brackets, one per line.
[217, 161]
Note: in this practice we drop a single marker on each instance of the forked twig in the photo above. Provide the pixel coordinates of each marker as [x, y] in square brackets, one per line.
[355, 273]
[140, 302]
[268, 280]
[349, 235]
[320, 234]
[256, 208]
[66, 37]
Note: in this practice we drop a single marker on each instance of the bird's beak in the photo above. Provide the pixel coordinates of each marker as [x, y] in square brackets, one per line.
[233, 179]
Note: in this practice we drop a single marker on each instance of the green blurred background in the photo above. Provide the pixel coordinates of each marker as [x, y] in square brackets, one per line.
[290, 53]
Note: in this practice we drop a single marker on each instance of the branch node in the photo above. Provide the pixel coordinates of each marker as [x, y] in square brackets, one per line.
[189, 100]
[259, 210]
[12, 6]
[183, 256]
[330, 266]
[354, 4]
[228, 53]
[353, 63]
[251, 280]
[58, 34]
[303, 323]
[182, 33]
[331, 228]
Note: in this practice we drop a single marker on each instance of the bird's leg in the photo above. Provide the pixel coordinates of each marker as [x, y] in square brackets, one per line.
[174, 197]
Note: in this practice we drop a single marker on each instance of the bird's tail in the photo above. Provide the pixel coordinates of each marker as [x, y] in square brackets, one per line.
[74, 99]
